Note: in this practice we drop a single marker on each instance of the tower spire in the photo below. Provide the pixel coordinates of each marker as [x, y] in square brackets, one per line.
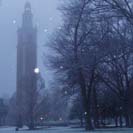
[27, 16]
[27, 6]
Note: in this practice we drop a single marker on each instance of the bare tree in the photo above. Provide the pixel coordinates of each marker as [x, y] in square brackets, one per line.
[78, 52]
[94, 48]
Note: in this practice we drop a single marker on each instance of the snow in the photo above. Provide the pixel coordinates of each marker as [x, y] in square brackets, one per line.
[45, 130]
[67, 130]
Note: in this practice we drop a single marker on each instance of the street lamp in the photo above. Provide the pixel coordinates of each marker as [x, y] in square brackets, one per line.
[36, 70]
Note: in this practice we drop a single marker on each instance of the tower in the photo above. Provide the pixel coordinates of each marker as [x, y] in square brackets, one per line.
[26, 64]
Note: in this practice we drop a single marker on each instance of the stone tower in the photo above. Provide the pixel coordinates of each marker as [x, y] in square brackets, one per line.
[26, 64]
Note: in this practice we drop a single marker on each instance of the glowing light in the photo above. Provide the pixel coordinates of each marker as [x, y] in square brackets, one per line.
[36, 70]
[85, 113]
[60, 119]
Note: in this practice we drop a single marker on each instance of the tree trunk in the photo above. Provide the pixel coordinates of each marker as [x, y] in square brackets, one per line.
[131, 119]
[127, 120]
[19, 123]
[86, 102]
[95, 114]
[116, 121]
[121, 123]
[81, 121]
[126, 113]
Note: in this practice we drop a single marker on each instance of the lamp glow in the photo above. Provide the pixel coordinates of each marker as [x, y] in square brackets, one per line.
[36, 71]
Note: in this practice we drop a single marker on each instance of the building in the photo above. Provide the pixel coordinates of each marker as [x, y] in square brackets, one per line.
[26, 64]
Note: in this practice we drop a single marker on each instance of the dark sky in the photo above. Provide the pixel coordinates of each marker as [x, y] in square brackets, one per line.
[46, 17]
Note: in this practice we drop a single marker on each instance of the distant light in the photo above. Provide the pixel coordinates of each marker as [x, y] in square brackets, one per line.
[37, 70]
[85, 113]
[60, 119]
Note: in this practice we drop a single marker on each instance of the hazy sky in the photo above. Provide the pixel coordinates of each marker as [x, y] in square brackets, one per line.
[46, 16]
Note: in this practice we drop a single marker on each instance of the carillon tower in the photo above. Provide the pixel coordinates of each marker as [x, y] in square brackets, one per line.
[26, 64]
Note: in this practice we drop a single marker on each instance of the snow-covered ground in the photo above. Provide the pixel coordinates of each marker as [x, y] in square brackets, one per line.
[66, 130]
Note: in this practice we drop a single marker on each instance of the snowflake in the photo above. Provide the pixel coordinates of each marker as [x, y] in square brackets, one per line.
[14, 21]
[41, 118]
[37, 24]
[45, 30]
[66, 92]
[50, 18]
[83, 50]
[61, 67]
[59, 28]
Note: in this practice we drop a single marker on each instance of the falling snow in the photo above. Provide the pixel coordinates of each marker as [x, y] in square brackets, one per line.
[61, 67]
[66, 130]
[14, 21]
[45, 30]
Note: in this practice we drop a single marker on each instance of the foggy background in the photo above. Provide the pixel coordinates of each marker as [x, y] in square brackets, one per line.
[46, 17]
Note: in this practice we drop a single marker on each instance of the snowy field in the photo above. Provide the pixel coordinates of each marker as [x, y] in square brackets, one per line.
[66, 130]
